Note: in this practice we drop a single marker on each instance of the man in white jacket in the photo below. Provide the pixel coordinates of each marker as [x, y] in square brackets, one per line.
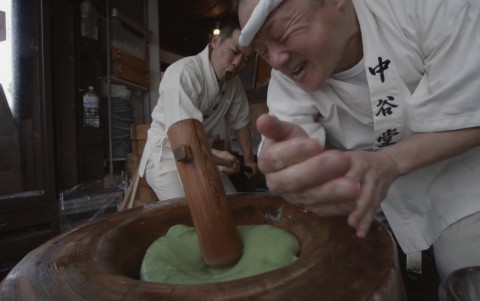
[375, 103]
[205, 87]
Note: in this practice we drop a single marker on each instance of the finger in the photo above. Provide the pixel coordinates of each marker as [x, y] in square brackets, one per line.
[223, 161]
[253, 171]
[332, 209]
[279, 155]
[227, 170]
[223, 170]
[272, 128]
[223, 158]
[337, 191]
[309, 173]
[364, 224]
[366, 208]
[234, 167]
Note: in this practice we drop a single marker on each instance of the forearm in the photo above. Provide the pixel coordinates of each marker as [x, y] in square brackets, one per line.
[245, 139]
[424, 149]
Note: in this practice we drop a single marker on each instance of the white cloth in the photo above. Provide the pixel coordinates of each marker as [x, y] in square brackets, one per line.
[256, 20]
[189, 89]
[433, 79]
[355, 75]
[169, 185]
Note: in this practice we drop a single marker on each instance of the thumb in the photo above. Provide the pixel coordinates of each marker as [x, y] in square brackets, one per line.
[273, 128]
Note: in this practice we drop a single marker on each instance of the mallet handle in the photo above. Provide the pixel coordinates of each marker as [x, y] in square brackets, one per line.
[211, 214]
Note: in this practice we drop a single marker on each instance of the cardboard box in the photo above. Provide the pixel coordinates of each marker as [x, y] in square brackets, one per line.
[131, 163]
[129, 60]
[130, 74]
[139, 131]
[138, 146]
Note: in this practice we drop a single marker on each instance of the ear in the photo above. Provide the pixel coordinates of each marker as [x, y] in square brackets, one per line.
[215, 41]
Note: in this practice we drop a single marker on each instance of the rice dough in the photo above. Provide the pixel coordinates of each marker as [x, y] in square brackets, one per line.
[176, 258]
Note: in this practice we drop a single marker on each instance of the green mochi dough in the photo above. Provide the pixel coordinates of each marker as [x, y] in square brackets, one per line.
[176, 258]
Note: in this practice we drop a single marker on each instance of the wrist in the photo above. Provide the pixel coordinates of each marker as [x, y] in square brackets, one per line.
[400, 169]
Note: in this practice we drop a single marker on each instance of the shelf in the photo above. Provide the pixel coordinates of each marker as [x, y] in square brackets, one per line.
[117, 80]
[116, 159]
[116, 14]
[123, 70]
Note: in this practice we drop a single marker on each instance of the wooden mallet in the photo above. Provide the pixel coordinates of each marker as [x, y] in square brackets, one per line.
[219, 241]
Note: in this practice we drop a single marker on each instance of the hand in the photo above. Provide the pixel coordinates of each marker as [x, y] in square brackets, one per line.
[254, 168]
[298, 168]
[375, 171]
[227, 163]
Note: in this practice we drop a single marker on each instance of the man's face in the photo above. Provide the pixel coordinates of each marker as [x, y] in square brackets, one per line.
[228, 57]
[303, 39]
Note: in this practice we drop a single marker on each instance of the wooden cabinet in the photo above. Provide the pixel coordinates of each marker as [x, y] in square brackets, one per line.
[127, 64]
[28, 201]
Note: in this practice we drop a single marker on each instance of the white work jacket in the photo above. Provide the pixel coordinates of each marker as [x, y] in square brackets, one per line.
[422, 61]
[189, 89]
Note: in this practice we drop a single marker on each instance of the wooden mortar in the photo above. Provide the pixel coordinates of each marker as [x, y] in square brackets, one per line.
[101, 260]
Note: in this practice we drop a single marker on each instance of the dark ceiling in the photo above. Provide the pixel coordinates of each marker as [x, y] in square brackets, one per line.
[185, 25]
[201, 14]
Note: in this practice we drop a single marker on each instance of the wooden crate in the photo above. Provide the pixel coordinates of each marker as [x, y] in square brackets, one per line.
[138, 134]
[130, 68]
[138, 146]
[126, 58]
[130, 74]
[139, 131]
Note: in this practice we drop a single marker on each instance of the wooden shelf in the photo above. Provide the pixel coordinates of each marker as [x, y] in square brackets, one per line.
[116, 14]
[117, 80]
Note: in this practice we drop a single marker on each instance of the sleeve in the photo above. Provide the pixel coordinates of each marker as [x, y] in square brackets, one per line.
[238, 114]
[182, 95]
[448, 95]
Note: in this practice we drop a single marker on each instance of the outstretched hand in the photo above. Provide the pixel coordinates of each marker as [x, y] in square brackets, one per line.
[299, 169]
[326, 182]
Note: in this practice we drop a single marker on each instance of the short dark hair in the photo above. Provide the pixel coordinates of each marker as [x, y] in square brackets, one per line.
[230, 26]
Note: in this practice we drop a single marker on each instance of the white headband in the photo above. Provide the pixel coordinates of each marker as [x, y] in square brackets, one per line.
[258, 17]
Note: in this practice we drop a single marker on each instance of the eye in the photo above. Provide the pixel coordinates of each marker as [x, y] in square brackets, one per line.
[236, 51]
[281, 37]
[262, 51]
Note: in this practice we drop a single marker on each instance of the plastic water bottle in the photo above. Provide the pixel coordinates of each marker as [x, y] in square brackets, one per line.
[91, 112]
[88, 25]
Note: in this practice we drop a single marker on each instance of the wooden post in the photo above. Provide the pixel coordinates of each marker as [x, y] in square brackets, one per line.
[212, 217]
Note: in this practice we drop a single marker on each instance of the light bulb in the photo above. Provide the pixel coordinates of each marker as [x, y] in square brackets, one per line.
[216, 30]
